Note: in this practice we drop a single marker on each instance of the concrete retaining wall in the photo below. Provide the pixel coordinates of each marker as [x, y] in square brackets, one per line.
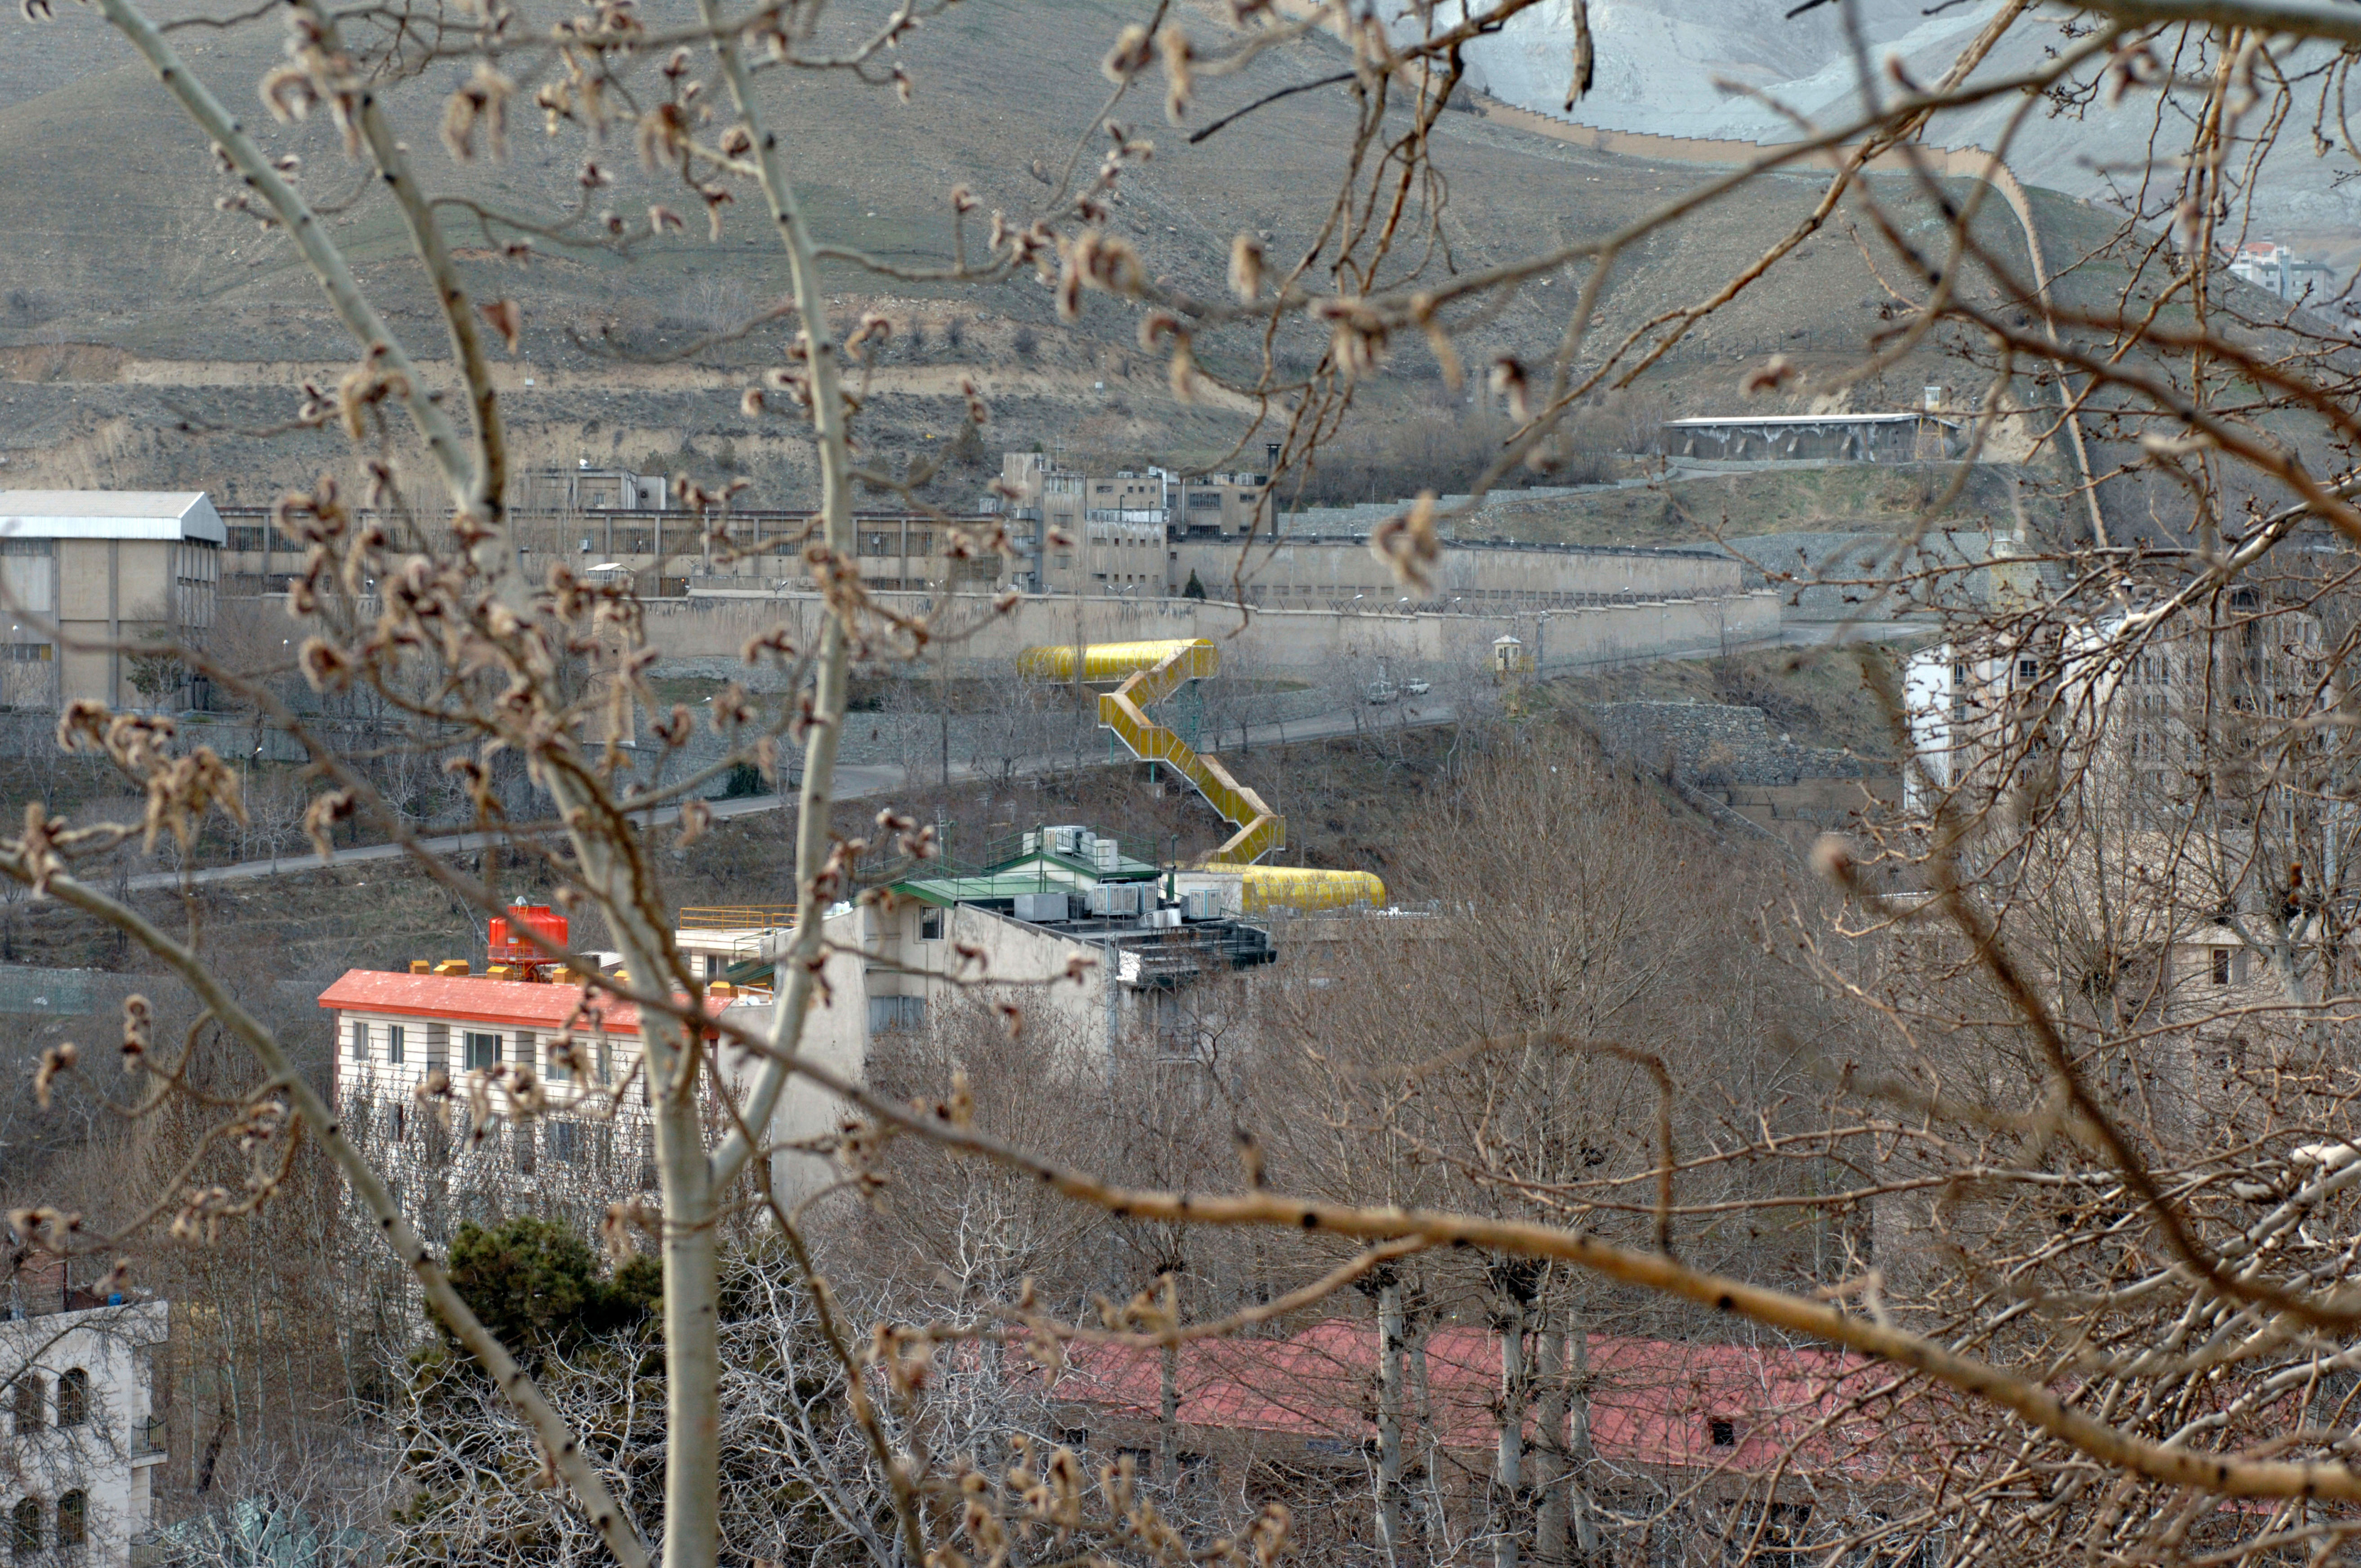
[708, 627]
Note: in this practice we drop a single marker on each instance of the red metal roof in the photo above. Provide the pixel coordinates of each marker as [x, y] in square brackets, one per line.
[1651, 1401]
[473, 999]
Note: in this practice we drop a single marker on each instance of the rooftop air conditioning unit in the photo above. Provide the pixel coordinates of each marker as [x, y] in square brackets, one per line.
[1040, 908]
[1116, 899]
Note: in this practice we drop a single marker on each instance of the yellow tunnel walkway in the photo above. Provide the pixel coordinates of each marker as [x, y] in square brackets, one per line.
[1151, 671]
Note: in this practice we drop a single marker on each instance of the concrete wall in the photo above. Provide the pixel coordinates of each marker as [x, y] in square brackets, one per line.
[1319, 572]
[709, 628]
[874, 955]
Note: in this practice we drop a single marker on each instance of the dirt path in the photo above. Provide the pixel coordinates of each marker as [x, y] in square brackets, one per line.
[82, 362]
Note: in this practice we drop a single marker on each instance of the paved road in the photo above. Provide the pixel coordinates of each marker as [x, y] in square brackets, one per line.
[868, 780]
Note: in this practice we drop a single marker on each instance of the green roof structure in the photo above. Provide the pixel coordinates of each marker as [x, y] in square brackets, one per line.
[1040, 871]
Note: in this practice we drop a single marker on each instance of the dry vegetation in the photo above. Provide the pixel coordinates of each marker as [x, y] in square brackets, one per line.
[1986, 1200]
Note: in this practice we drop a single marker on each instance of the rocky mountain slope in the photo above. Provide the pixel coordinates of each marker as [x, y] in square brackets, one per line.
[1660, 64]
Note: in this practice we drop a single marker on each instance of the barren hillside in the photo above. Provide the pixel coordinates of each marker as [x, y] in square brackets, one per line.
[136, 311]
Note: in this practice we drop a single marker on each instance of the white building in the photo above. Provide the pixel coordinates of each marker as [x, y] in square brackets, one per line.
[85, 1430]
[103, 569]
[2276, 270]
[1149, 943]
[547, 1110]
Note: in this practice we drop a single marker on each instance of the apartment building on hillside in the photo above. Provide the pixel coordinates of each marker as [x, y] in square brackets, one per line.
[2133, 704]
[2148, 797]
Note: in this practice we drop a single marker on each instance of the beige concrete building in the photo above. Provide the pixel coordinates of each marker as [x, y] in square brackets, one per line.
[1146, 535]
[89, 571]
[1111, 533]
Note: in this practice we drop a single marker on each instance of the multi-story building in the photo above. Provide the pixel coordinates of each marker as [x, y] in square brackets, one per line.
[85, 1425]
[2137, 706]
[90, 576]
[547, 1108]
[2152, 801]
[1140, 956]
[2276, 270]
[1109, 533]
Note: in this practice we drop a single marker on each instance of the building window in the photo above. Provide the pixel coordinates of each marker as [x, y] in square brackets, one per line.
[25, 1529]
[566, 1141]
[73, 1398]
[890, 1012]
[2221, 965]
[361, 1041]
[2027, 669]
[30, 1400]
[74, 1520]
[1724, 1433]
[483, 1051]
[393, 1044]
[931, 925]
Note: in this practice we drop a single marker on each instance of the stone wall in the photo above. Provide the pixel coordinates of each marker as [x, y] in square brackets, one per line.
[1714, 745]
[1728, 761]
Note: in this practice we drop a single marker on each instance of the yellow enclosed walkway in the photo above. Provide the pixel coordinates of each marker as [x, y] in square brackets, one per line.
[1150, 672]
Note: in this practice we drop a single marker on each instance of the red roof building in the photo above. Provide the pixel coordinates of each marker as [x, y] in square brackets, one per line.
[1652, 1403]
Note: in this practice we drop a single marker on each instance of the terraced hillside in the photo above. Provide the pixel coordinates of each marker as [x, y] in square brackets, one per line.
[144, 336]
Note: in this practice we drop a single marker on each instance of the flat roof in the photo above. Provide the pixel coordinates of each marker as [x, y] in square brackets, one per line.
[110, 514]
[1802, 418]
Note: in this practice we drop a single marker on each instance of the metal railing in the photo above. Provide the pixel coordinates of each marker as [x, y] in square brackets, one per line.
[736, 917]
[1260, 829]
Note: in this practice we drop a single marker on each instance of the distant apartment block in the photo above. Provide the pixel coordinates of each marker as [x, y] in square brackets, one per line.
[2276, 270]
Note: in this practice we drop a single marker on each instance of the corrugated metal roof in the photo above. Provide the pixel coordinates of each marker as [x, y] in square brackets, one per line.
[1651, 1401]
[471, 998]
[110, 514]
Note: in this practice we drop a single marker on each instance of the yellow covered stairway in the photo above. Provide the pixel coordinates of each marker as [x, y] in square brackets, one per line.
[1150, 672]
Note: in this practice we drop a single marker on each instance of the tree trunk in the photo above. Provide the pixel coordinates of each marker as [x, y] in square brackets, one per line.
[1168, 1429]
[1578, 1441]
[692, 1535]
[1549, 1465]
[1507, 1473]
[1390, 1544]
